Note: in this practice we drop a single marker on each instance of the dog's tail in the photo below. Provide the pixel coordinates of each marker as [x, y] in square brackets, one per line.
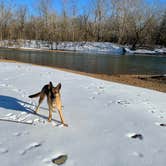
[35, 95]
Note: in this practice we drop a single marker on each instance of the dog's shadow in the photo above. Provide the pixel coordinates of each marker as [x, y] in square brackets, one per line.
[15, 104]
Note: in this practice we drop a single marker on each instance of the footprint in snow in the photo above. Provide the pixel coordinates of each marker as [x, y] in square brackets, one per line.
[3, 150]
[109, 103]
[92, 97]
[101, 87]
[88, 87]
[135, 136]
[17, 133]
[137, 154]
[161, 124]
[97, 93]
[122, 102]
[30, 147]
[39, 121]
[152, 111]
[20, 133]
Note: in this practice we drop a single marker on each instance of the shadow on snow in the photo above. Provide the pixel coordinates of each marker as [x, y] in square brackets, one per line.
[15, 104]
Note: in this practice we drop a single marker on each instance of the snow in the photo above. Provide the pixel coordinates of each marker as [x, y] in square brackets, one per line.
[95, 47]
[88, 47]
[145, 51]
[103, 118]
[85, 47]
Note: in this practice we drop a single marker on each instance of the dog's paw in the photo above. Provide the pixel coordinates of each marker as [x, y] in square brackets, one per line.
[64, 124]
[61, 125]
[49, 119]
[35, 112]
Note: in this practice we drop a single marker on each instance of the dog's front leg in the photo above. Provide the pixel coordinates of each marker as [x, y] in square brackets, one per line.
[50, 114]
[61, 116]
[37, 108]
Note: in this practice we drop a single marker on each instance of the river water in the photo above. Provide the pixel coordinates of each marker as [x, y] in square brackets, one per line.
[91, 63]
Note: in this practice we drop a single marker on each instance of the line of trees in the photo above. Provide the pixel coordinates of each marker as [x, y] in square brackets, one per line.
[132, 22]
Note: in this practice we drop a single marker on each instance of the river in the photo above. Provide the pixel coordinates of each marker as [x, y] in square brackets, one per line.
[91, 63]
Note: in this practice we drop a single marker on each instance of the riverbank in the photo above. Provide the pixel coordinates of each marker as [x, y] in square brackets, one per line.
[144, 81]
[82, 47]
[104, 118]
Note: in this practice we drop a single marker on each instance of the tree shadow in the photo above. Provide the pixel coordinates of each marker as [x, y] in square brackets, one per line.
[15, 104]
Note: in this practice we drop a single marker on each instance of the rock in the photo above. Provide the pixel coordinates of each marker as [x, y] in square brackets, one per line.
[60, 159]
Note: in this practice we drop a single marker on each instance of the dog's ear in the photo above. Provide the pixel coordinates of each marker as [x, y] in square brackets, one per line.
[58, 87]
[50, 86]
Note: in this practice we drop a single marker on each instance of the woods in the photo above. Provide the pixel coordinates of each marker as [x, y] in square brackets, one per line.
[130, 22]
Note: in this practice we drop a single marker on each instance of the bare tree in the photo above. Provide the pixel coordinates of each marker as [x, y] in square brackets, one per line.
[132, 22]
[5, 18]
[161, 34]
[21, 20]
[99, 11]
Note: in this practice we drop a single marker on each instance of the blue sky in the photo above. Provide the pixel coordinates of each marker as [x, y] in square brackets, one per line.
[57, 4]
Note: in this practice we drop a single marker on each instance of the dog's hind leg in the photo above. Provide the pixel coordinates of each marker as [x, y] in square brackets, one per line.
[42, 96]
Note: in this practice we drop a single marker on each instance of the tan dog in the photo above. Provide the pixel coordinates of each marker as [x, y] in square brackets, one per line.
[53, 100]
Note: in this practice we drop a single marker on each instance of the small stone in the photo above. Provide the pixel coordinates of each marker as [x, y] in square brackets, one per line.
[60, 159]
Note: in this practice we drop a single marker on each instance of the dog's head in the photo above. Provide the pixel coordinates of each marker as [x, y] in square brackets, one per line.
[54, 91]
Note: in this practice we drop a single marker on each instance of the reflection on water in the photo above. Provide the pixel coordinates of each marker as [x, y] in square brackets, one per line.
[92, 63]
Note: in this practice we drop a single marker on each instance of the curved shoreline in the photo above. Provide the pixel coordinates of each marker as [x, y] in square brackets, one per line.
[133, 80]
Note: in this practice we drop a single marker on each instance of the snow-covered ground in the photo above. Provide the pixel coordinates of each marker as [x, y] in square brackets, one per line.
[87, 47]
[109, 123]
[144, 51]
